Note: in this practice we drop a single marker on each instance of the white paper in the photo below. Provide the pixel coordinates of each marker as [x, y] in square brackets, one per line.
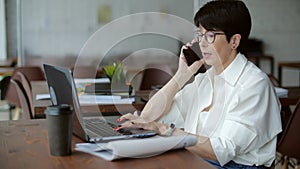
[98, 80]
[281, 92]
[94, 99]
[99, 97]
[136, 148]
[42, 97]
[104, 99]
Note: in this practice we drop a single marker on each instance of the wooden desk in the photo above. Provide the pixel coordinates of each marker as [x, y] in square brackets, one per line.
[40, 87]
[292, 98]
[24, 144]
[295, 65]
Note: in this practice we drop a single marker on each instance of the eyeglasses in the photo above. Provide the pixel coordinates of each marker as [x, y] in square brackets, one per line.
[210, 36]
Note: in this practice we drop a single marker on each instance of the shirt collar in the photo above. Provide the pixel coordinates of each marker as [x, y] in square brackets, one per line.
[234, 70]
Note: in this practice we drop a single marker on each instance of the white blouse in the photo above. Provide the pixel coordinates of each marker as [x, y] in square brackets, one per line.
[244, 116]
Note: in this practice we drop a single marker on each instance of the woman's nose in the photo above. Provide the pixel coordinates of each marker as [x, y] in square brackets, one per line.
[203, 43]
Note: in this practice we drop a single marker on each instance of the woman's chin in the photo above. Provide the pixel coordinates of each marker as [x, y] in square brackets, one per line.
[208, 62]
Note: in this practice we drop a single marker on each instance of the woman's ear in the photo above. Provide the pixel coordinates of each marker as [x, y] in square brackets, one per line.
[235, 41]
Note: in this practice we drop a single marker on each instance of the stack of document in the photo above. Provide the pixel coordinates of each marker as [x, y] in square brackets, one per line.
[42, 97]
[87, 80]
[136, 148]
[82, 83]
[95, 99]
[281, 92]
[105, 99]
[91, 97]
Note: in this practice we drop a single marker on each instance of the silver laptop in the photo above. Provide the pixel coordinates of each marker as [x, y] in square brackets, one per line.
[62, 90]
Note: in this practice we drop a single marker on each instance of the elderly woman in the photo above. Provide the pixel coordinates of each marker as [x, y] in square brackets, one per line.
[232, 107]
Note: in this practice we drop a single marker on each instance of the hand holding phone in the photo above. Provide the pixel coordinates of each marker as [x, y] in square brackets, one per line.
[192, 53]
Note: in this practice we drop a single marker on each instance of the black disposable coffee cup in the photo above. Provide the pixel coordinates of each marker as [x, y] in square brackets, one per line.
[60, 123]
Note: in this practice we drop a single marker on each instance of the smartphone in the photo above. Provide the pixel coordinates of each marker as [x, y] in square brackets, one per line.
[192, 53]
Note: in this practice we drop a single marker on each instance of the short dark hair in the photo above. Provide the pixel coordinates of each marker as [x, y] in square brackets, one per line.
[230, 16]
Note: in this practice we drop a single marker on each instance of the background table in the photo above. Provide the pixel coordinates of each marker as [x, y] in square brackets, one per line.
[39, 106]
[292, 98]
[24, 144]
[6, 70]
[40, 87]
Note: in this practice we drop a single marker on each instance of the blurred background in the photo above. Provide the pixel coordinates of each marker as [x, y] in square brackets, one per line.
[56, 31]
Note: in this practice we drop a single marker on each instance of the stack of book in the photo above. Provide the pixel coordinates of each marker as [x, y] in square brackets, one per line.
[103, 92]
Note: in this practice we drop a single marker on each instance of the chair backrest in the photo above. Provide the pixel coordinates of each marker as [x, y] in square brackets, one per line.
[274, 80]
[155, 76]
[4, 86]
[28, 92]
[289, 143]
[31, 73]
[23, 98]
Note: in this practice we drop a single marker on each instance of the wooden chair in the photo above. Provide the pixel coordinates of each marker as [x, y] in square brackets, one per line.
[274, 80]
[4, 85]
[23, 98]
[28, 91]
[31, 73]
[155, 76]
[288, 145]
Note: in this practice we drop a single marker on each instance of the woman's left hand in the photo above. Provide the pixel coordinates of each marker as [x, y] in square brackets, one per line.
[159, 128]
[135, 121]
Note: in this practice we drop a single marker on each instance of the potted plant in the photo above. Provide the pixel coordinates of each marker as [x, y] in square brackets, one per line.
[117, 76]
[115, 72]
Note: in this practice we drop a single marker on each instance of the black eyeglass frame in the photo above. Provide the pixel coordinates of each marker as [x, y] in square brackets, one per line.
[199, 36]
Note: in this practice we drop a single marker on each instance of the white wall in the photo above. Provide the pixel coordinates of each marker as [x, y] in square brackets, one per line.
[3, 54]
[60, 28]
[277, 23]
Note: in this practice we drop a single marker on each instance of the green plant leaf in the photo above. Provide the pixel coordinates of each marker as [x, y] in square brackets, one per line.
[115, 72]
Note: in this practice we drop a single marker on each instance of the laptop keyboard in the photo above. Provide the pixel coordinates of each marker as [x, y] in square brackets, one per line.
[99, 127]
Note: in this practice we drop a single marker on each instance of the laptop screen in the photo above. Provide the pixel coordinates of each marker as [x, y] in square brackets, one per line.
[62, 90]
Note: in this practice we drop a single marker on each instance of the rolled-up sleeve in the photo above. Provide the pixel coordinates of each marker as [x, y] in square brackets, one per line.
[248, 123]
[232, 141]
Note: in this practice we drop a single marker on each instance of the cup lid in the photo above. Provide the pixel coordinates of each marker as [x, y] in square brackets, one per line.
[59, 109]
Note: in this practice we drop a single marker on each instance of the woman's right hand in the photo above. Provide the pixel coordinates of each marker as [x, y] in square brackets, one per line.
[185, 72]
